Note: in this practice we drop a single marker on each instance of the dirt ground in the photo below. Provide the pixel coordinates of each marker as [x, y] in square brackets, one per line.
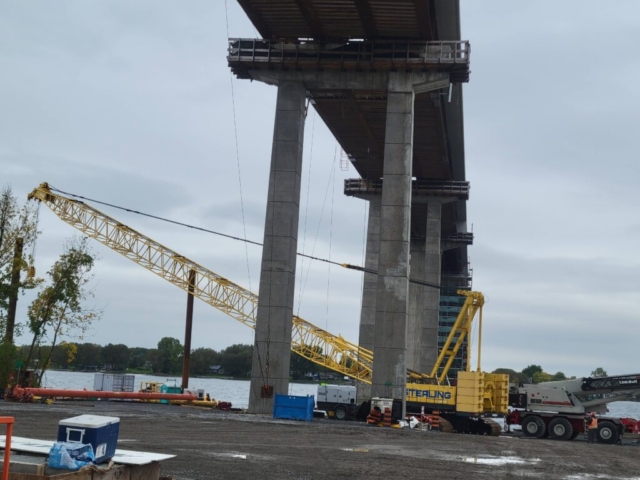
[210, 445]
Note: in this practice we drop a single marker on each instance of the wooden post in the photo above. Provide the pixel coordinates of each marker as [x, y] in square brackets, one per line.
[187, 331]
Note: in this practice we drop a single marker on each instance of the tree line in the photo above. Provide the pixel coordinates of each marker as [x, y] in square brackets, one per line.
[234, 361]
[535, 374]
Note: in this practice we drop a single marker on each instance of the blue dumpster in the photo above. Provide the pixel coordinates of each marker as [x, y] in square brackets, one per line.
[291, 407]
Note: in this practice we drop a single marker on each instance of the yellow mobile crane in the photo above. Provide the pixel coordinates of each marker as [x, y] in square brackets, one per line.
[476, 393]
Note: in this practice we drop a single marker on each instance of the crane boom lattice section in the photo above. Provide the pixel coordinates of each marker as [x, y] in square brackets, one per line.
[308, 341]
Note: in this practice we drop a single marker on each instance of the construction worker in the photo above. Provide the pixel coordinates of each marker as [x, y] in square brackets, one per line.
[592, 427]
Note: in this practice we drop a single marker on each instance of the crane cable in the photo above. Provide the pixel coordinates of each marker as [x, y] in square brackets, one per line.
[175, 222]
[235, 132]
[306, 213]
[244, 228]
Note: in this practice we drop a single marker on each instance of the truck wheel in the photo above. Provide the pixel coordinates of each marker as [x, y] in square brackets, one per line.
[340, 413]
[574, 435]
[533, 426]
[560, 429]
[607, 432]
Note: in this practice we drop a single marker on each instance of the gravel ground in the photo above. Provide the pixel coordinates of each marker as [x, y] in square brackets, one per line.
[211, 444]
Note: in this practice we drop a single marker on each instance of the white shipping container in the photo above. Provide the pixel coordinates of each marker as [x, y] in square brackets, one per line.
[114, 382]
[97, 381]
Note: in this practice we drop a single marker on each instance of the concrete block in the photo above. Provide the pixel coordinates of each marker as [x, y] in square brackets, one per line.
[432, 264]
[291, 97]
[369, 298]
[282, 219]
[286, 187]
[287, 157]
[280, 287]
[402, 155]
[373, 250]
[394, 260]
[363, 392]
[400, 81]
[276, 255]
[399, 128]
[396, 191]
[289, 126]
[400, 102]
[396, 224]
[394, 330]
[429, 82]
[391, 368]
[272, 322]
[392, 295]
[368, 319]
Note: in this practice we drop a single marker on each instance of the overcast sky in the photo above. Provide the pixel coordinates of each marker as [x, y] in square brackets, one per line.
[131, 103]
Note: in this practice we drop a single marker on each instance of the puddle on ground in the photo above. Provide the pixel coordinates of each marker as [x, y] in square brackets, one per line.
[491, 460]
[228, 455]
[597, 476]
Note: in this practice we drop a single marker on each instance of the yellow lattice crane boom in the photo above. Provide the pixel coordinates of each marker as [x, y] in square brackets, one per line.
[307, 340]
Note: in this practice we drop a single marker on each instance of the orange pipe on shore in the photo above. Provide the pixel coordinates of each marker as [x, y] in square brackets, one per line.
[55, 392]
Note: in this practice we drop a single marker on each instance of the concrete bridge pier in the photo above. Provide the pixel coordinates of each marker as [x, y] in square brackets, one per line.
[369, 290]
[272, 347]
[416, 303]
[427, 354]
[389, 361]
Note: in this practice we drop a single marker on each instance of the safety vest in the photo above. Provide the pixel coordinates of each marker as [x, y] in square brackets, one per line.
[593, 423]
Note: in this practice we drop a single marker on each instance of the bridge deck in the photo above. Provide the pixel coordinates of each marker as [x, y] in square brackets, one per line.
[342, 19]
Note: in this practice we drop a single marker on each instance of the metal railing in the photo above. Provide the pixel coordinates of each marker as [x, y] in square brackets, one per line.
[379, 54]
[434, 52]
[424, 188]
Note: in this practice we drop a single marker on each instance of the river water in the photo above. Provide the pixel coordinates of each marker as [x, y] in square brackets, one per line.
[237, 391]
[234, 391]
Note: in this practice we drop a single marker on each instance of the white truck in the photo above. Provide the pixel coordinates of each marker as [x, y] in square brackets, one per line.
[557, 409]
[339, 401]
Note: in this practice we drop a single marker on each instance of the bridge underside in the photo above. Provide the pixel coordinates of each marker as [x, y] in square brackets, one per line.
[385, 77]
[325, 20]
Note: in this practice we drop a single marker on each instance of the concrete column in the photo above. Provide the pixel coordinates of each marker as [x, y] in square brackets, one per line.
[389, 368]
[432, 266]
[272, 347]
[369, 290]
[416, 304]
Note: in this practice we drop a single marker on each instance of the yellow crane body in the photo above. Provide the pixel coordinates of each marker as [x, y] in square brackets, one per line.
[475, 393]
[307, 340]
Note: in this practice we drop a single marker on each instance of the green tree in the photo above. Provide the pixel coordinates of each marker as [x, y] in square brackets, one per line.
[514, 377]
[539, 377]
[531, 370]
[236, 359]
[59, 307]
[116, 357]
[202, 359]
[301, 366]
[58, 357]
[153, 360]
[599, 372]
[559, 376]
[137, 357]
[88, 354]
[170, 354]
